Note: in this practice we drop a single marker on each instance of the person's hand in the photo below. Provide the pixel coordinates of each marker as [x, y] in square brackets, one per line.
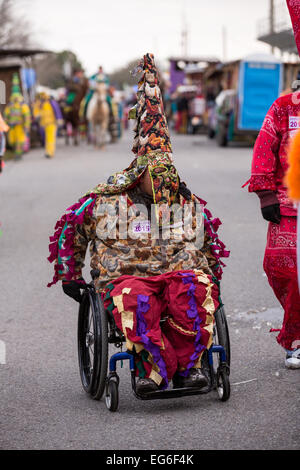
[272, 213]
[72, 288]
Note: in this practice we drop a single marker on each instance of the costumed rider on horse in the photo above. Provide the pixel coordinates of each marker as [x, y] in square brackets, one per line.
[145, 275]
[101, 78]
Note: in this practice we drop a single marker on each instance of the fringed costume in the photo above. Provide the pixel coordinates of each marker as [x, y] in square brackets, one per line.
[143, 277]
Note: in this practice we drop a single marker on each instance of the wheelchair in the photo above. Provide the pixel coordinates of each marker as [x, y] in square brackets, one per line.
[97, 330]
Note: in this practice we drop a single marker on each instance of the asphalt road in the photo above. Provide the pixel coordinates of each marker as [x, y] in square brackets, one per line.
[42, 403]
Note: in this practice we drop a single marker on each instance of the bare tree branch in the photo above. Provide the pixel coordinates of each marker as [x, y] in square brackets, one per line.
[14, 31]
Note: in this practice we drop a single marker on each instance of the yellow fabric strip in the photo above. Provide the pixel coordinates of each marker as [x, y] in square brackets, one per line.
[126, 290]
[127, 320]
[209, 307]
[118, 301]
[198, 363]
[155, 377]
[179, 328]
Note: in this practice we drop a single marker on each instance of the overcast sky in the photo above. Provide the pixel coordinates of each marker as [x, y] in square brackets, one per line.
[113, 32]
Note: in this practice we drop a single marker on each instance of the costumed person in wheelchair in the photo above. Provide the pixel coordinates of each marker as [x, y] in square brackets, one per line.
[142, 277]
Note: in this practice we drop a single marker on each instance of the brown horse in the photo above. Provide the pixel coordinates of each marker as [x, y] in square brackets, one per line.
[98, 115]
[71, 112]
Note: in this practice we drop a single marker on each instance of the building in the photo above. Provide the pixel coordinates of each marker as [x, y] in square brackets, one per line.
[226, 76]
[17, 61]
[276, 30]
[188, 70]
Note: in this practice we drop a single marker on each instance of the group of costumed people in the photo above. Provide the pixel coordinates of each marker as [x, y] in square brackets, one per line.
[277, 185]
[18, 119]
[46, 116]
[140, 276]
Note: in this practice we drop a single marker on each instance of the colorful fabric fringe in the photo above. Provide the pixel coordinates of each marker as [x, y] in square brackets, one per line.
[62, 242]
[188, 299]
[216, 247]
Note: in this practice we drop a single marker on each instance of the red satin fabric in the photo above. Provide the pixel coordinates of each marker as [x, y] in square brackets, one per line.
[280, 265]
[168, 294]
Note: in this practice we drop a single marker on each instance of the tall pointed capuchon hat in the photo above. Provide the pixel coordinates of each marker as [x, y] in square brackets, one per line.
[294, 9]
[151, 145]
[152, 133]
[16, 88]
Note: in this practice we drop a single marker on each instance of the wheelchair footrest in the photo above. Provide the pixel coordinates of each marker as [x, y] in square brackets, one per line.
[173, 393]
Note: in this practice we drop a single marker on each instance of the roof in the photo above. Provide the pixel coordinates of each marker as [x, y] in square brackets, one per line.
[194, 59]
[261, 58]
[21, 52]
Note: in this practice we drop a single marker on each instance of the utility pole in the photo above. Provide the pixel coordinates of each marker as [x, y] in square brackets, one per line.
[184, 33]
[272, 15]
[224, 43]
[184, 39]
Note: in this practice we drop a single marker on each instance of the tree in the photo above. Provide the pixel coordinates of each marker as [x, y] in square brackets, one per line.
[14, 31]
[51, 68]
[122, 76]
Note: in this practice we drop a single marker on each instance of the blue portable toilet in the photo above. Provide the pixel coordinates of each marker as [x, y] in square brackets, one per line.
[260, 83]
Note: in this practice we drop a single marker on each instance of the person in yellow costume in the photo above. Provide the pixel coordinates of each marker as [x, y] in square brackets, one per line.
[18, 117]
[49, 116]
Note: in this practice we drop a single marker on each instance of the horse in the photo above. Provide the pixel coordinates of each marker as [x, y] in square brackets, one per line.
[98, 115]
[71, 112]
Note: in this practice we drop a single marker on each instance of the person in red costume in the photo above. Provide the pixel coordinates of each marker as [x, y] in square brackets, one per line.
[269, 167]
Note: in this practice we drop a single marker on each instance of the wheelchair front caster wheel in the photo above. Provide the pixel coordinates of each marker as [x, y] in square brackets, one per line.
[112, 395]
[223, 385]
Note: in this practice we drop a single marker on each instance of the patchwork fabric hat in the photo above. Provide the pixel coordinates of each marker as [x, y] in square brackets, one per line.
[151, 145]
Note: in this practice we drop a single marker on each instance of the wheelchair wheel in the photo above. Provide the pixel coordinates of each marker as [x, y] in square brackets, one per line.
[222, 333]
[92, 344]
[112, 395]
[223, 385]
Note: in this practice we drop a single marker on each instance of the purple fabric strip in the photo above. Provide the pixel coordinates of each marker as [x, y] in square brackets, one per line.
[57, 110]
[141, 329]
[192, 312]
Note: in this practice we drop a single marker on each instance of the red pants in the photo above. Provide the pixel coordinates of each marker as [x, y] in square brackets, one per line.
[188, 298]
[280, 265]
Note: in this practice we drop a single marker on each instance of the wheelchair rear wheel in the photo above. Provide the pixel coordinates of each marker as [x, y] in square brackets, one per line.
[92, 344]
[222, 333]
